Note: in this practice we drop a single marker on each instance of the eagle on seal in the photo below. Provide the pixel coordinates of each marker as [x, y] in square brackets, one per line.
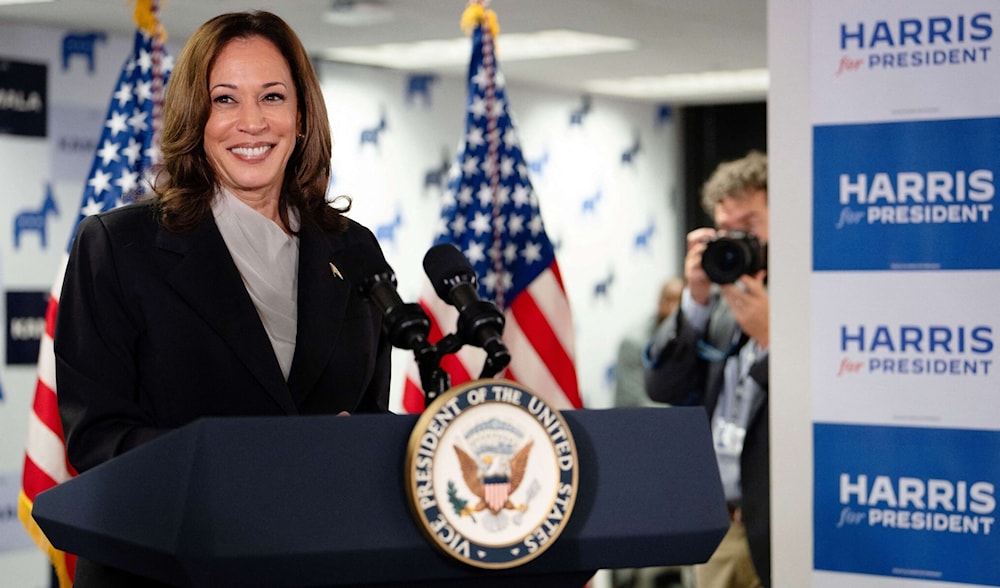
[495, 480]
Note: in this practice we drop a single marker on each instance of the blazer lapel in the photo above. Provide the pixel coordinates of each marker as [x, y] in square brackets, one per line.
[208, 280]
[322, 300]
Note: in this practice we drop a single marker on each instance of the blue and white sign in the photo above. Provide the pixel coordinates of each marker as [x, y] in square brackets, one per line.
[907, 502]
[906, 195]
[884, 60]
[905, 348]
[906, 264]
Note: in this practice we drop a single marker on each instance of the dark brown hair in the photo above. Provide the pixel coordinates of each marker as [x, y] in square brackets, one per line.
[186, 182]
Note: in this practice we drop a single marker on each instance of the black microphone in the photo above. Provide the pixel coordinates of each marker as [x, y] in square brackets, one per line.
[480, 322]
[406, 324]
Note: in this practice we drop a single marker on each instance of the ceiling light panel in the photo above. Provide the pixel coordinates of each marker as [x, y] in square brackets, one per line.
[735, 84]
[453, 52]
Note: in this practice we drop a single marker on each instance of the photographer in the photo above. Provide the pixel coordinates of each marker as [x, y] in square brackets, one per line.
[713, 351]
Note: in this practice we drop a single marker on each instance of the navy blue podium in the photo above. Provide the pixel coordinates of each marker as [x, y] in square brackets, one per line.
[320, 501]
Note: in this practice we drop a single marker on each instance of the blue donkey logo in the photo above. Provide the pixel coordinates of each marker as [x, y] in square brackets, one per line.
[35, 220]
[81, 44]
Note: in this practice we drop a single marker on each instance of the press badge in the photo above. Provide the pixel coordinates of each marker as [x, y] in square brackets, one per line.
[727, 437]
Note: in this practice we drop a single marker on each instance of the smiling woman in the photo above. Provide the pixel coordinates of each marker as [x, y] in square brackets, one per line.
[220, 296]
[253, 125]
[254, 49]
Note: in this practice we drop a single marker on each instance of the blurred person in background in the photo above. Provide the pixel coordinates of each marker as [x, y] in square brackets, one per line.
[630, 389]
[713, 351]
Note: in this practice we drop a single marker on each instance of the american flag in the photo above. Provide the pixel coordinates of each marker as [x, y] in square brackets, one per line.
[491, 214]
[126, 151]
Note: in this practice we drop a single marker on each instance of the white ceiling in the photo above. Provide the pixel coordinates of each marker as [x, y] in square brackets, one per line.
[674, 36]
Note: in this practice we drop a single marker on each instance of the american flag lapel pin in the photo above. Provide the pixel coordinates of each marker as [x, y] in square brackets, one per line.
[335, 271]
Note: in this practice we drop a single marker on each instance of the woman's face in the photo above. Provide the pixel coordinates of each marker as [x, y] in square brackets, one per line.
[254, 119]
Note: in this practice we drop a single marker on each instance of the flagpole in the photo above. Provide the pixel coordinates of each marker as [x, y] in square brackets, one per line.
[159, 36]
[493, 150]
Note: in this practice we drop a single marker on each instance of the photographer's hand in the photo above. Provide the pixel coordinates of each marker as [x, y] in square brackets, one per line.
[749, 302]
[697, 281]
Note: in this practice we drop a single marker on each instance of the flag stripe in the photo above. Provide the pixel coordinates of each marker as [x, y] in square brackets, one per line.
[549, 296]
[540, 338]
[46, 354]
[44, 426]
[530, 368]
[533, 315]
[36, 480]
[45, 444]
[50, 315]
[413, 395]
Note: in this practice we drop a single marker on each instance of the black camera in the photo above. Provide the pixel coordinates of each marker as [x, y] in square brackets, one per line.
[732, 255]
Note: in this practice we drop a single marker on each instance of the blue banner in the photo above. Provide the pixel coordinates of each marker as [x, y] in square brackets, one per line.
[23, 98]
[906, 195]
[907, 502]
[25, 325]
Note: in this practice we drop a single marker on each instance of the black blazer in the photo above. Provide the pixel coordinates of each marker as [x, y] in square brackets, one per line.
[156, 329]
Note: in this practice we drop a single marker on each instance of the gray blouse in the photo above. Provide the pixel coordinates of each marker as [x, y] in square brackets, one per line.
[268, 261]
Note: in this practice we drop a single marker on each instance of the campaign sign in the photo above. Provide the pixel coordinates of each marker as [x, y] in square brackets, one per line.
[907, 502]
[906, 348]
[906, 195]
[878, 60]
[23, 98]
[25, 325]
[76, 131]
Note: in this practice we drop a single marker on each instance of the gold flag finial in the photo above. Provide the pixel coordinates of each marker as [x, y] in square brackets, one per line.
[476, 14]
[146, 18]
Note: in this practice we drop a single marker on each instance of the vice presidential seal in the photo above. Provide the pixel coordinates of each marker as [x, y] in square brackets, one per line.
[491, 473]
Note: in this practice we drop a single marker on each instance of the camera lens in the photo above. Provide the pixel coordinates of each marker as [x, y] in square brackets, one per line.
[727, 258]
[724, 260]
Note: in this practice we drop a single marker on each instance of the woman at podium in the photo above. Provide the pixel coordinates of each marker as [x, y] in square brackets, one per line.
[221, 295]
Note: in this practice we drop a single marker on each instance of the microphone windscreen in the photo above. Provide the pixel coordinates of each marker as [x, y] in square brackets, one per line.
[442, 264]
